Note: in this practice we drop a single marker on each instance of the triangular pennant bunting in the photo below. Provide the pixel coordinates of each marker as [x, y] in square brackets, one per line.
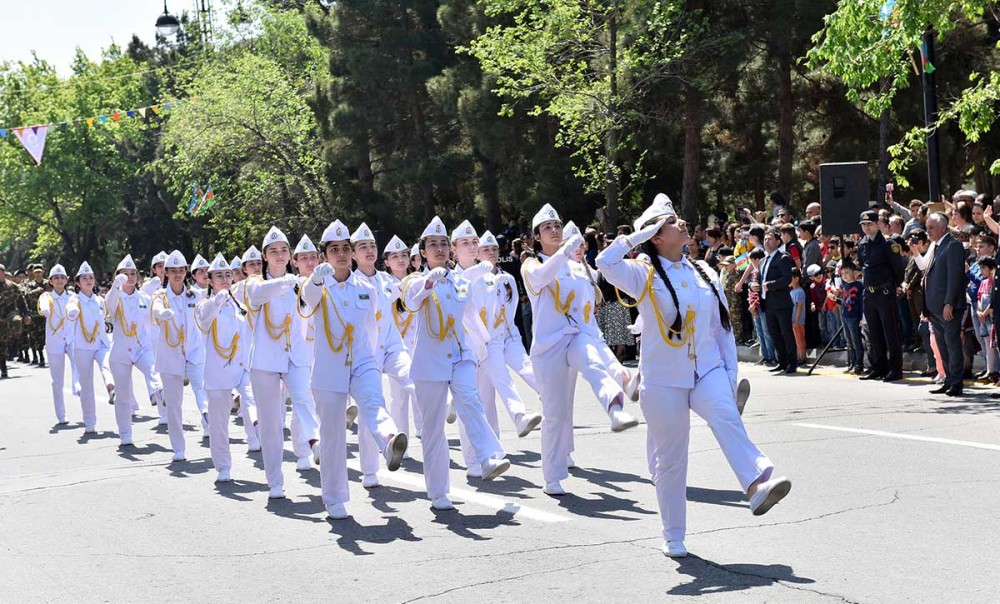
[142, 111]
[116, 116]
[90, 122]
[33, 140]
[130, 114]
[3, 133]
[156, 109]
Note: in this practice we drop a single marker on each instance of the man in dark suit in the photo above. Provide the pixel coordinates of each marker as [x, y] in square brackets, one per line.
[776, 301]
[944, 297]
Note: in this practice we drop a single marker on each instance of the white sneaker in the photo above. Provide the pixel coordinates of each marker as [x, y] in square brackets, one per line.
[393, 453]
[474, 471]
[90, 430]
[674, 549]
[769, 493]
[315, 452]
[178, 456]
[336, 511]
[127, 441]
[303, 464]
[494, 467]
[162, 422]
[451, 413]
[632, 386]
[570, 464]
[370, 481]
[352, 414]
[527, 423]
[622, 421]
[553, 488]
[253, 448]
[276, 493]
[442, 503]
[223, 476]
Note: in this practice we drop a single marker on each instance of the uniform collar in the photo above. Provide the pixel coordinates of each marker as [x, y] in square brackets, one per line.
[670, 265]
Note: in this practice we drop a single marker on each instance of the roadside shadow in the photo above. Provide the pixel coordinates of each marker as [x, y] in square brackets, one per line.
[609, 479]
[465, 526]
[57, 428]
[235, 489]
[709, 577]
[603, 507]
[505, 486]
[102, 435]
[308, 510]
[733, 499]
[967, 404]
[131, 452]
[183, 469]
[351, 534]
[528, 459]
[384, 497]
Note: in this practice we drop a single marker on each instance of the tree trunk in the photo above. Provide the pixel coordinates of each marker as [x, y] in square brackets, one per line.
[692, 153]
[884, 127]
[491, 190]
[611, 176]
[786, 125]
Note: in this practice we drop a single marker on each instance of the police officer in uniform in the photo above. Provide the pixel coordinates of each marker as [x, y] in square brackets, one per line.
[882, 266]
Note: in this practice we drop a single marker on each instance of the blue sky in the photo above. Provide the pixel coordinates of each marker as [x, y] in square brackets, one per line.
[54, 28]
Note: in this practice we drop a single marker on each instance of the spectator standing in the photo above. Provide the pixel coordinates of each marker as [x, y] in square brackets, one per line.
[811, 250]
[944, 287]
[798, 315]
[984, 313]
[985, 250]
[882, 267]
[852, 296]
[790, 245]
[776, 300]
[759, 321]
[913, 289]
[918, 214]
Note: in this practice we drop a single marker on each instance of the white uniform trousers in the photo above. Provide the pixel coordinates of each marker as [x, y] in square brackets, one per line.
[396, 365]
[154, 387]
[248, 410]
[271, 414]
[124, 398]
[403, 399]
[57, 371]
[518, 360]
[173, 395]
[559, 364]
[85, 360]
[434, 401]
[220, 404]
[493, 380]
[375, 427]
[668, 415]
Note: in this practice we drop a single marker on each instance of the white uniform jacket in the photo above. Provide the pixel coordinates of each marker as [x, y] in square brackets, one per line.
[129, 315]
[227, 337]
[279, 335]
[664, 362]
[483, 308]
[561, 298]
[180, 342]
[345, 330]
[389, 339]
[88, 312]
[58, 327]
[439, 341]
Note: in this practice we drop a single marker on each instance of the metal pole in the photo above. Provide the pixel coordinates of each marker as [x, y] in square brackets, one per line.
[930, 118]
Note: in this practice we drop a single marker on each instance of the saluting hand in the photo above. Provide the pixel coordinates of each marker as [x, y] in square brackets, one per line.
[646, 233]
[120, 281]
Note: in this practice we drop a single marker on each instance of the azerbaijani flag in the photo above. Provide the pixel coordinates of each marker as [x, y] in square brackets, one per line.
[742, 261]
[195, 196]
[209, 200]
[927, 65]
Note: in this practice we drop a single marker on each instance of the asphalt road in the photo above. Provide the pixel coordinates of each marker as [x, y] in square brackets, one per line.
[894, 499]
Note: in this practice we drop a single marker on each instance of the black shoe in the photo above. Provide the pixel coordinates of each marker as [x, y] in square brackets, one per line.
[791, 370]
[954, 391]
[872, 375]
[940, 389]
[3, 375]
[41, 364]
[776, 369]
[893, 377]
[980, 375]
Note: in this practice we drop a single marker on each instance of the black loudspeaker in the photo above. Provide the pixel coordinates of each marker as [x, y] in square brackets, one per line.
[843, 194]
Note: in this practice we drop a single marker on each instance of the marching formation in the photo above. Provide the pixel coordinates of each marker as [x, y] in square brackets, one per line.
[319, 327]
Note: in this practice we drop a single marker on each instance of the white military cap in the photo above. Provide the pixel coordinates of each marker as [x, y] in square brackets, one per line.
[159, 258]
[662, 206]
[415, 250]
[85, 269]
[434, 227]
[274, 236]
[236, 263]
[305, 245]
[175, 260]
[395, 245]
[252, 253]
[570, 229]
[464, 230]
[336, 231]
[487, 240]
[363, 233]
[198, 263]
[126, 263]
[57, 271]
[546, 214]
[219, 264]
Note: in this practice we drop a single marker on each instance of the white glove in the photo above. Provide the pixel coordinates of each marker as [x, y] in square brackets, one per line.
[487, 266]
[321, 272]
[290, 281]
[73, 313]
[221, 298]
[646, 233]
[572, 244]
[438, 275]
[120, 281]
[165, 315]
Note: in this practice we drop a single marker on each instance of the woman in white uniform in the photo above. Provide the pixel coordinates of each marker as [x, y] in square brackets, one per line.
[249, 264]
[391, 356]
[58, 336]
[133, 344]
[223, 324]
[688, 363]
[443, 360]
[280, 355]
[152, 285]
[485, 324]
[180, 351]
[559, 346]
[86, 309]
[346, 362]
[401, 398]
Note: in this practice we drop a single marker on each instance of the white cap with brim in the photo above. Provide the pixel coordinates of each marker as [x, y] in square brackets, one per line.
[488, 240]
[661, 207]
[434, 228]
[251, 254]
[57, 271]
[395, 245]
[570, 229]
[464, 230]
[126, 264]
[813, 270]
[415, 250]
[175, 260]
[336, 231]
[198, 263]
[235, 263]
[85, 269]
[363, 233]
[546, 214]
[275, 235]
[159, 258]
[305, 245]
[219, 264]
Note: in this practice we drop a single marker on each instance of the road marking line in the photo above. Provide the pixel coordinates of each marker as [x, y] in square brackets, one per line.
[499, 504]
[927, 439]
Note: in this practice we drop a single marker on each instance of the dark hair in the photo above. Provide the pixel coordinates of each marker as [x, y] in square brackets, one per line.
[797, 273]
[757, 253]
[809, 226]
[988, 263]
[777, 198]
[677, 324]
[787, 229]
[713, 232]
[964, 210]
[989, 240]
[757, 231]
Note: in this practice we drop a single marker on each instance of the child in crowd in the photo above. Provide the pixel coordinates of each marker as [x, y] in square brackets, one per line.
[799, 314]
[817, 301]
[851, 294]
[767, 354]
[987, 267]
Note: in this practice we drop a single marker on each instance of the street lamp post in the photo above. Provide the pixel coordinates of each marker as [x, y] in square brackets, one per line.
[167, 24]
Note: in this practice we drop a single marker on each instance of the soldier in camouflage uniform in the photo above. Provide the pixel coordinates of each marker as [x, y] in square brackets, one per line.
[20, 344]
[12, 312]
[35, 287]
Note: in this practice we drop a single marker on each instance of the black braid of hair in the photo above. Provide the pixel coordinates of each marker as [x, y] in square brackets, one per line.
[723, 311]
[675, 327]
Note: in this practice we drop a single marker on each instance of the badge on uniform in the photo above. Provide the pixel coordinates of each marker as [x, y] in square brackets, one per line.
[191, 305]
[364, 297]
[142, 306]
